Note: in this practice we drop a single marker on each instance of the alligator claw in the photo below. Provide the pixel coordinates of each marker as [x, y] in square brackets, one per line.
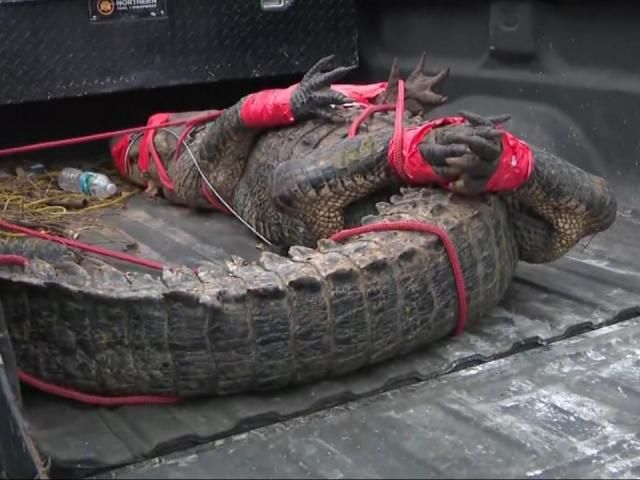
[420, 94]
[314, 97]
[152, 190]
[390, 93]
[477, 120]
[419, 87]
[465, 155]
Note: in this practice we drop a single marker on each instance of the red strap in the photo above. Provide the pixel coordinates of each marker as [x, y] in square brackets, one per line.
[16, 260]
[147, 147]
[398, 157]
[95, 400]
[365, 114]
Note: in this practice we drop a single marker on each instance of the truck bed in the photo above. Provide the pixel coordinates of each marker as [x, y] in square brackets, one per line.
[545, 386]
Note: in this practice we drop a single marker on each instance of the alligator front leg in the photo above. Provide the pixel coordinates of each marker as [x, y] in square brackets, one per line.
[218, 149]
[316, 188]
[222, 146]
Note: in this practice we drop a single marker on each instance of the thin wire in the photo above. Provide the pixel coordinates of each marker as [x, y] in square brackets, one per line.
[215, 192]
[134, 137]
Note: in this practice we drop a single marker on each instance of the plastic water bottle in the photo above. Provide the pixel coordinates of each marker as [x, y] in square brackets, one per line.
[89, 183]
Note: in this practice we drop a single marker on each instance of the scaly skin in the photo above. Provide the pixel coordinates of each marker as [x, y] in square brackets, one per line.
[232, 328]
[283, 321]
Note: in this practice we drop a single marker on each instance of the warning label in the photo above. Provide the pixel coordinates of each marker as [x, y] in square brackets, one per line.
[113, 10]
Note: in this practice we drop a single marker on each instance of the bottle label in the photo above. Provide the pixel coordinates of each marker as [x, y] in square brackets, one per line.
[86, 179]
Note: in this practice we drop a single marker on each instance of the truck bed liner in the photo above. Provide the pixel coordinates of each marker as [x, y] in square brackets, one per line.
[594, 286]
[568, 412]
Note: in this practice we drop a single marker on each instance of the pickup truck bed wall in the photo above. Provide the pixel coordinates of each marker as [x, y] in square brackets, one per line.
[567, 72]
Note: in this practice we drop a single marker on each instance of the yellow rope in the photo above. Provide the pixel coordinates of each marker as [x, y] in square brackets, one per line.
[27, 200]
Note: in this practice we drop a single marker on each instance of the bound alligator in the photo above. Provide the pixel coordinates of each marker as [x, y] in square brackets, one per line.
[323, 308]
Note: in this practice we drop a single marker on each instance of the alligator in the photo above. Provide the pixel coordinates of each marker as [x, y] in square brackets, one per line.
[311, 308]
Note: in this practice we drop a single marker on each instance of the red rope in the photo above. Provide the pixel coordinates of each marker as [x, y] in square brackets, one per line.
[82, 246]
[17, 260]
[95, 400]
[365, 114]
[396, 154]
[416, 226]
[21, 150]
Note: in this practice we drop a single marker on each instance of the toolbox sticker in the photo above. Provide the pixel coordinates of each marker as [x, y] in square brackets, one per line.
[113, 10]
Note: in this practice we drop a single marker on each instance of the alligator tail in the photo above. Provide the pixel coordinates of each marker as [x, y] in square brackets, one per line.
[235, 327]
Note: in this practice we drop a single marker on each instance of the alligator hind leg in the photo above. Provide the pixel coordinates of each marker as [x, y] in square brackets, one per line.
[558, 206]
[553, 210]
[420, 95]
[317, 187]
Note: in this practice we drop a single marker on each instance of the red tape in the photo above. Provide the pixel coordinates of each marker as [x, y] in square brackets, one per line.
[119, 154]
[514, 165]
[268, 108]
[272, 108]
[410, 166]
[360, 93]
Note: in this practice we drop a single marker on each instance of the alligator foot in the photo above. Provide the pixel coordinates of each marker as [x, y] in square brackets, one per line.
[420, 95]
[314, 97]
[465, 155]
[419, 88]
[152, 190]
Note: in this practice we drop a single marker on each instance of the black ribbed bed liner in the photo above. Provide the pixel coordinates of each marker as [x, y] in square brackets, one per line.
[595, 285]
[568, 412]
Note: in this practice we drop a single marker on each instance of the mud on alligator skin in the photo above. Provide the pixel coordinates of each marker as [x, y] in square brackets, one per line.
[323, 310]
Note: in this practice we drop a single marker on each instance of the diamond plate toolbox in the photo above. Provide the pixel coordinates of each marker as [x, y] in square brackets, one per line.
[70, 48]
